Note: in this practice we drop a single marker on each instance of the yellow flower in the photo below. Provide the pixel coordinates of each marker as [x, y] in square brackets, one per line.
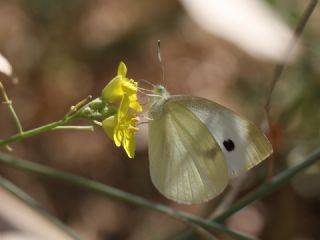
[121, 128]
[121, 85]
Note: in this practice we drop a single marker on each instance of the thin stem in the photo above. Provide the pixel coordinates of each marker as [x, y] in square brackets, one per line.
[230, 196]
[79, 105]
[84, 128]
[9, 186]
[281, 66]
[224, 202]
[269, 186]
[97, 108]
[190, 233]
[8, 102]
[262, 190]
[35, 131]
[97, 123]
[115, 193]
[201, 232]
[296, 35]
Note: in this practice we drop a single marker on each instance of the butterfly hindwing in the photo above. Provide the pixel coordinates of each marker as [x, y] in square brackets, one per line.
[242, 143]
[186, 163]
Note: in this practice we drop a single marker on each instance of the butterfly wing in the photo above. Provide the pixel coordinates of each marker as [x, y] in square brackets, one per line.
[186, 163]
[242, 143]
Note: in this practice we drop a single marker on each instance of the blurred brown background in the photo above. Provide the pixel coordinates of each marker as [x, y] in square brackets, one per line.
[63, 51]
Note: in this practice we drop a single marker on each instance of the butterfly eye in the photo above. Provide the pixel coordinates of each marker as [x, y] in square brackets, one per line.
[159, 89]
[229, 145]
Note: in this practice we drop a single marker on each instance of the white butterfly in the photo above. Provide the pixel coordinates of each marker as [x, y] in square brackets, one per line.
[196, 146]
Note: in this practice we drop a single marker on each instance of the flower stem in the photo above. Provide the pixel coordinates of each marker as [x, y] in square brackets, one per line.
[269, 186]
[35, 131]
[296, 35]
[280, 67]
[8, 102]
[262, 190]
[117, 194]
[96, 109]
[84, 128]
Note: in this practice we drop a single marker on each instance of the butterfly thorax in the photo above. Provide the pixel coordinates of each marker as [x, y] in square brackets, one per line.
[157, 99]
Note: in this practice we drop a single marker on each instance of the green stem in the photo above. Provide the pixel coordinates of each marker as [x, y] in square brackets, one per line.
[294, 40]
[15, 117]
[269, 186]
[11, 109]
[115, 193]
[96, 109]
[83, 128]
[10, 187]
[35, 131]
[281, 66]
[262, 190]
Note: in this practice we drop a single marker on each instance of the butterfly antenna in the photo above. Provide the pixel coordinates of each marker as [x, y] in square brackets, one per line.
[160, 60]
[147, 82]
[144, 91]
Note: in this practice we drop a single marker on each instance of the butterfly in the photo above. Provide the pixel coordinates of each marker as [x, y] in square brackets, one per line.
[196, 146]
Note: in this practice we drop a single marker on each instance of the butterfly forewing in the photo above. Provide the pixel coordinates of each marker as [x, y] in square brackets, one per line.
[186, 163]
[242, 143]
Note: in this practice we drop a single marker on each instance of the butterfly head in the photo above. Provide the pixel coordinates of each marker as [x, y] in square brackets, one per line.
[159, 96]
[161, 91]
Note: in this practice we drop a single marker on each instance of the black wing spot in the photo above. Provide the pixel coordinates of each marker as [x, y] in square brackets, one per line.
[229, 145]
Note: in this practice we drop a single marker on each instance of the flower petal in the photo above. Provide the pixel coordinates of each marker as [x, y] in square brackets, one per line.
[124, 107]
[113, 91]
[109, 125]
[134, 104]
[129, 144]
[118, 136]
[122, 69]
[129, 86]
[121, 127]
